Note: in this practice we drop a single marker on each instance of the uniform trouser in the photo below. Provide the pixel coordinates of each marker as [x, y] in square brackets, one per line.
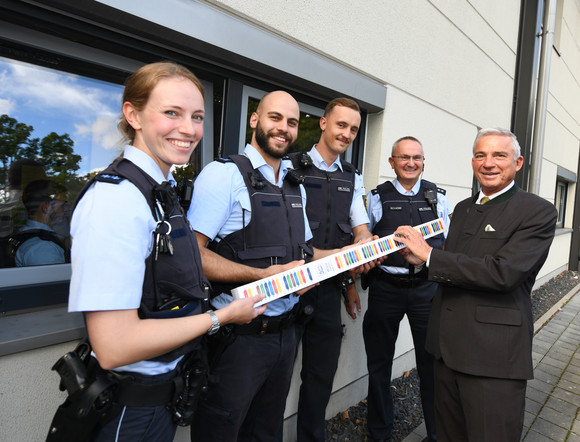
[388, 304]
[478, 409]
[247, 390]
[141, 423]
[321, 339]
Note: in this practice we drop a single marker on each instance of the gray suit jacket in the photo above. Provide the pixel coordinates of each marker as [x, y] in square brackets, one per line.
[481, 319]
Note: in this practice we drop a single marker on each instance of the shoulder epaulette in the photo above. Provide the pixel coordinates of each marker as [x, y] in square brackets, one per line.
[224, 160]
[109, 178]
[375, 191]
[441, 191]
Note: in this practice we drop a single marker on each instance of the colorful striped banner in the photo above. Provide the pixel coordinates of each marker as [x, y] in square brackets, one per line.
[287, 282]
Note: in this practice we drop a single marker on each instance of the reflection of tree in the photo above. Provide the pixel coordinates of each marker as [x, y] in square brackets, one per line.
[308, 132]
[185, 172]
[13, 139]
[54, 151]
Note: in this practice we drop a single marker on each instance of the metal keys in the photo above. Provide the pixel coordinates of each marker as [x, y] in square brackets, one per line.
[162, 238]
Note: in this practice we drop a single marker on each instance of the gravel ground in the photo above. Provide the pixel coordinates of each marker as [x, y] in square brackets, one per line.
[350, 425]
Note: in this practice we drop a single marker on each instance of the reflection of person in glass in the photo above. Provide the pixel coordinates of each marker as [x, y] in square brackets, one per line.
[36, 243]
[136, 270]
[12, 213]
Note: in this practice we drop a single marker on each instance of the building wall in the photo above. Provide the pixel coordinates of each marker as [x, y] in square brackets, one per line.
[449, 68]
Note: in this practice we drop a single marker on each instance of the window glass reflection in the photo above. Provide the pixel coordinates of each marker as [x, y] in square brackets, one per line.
[56, 131]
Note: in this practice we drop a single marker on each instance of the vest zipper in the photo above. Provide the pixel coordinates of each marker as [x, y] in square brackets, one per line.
[328, 211]
[289, 223]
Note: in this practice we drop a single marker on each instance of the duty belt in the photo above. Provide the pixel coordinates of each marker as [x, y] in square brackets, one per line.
[399, 280]
[268, 324]
[136, 392]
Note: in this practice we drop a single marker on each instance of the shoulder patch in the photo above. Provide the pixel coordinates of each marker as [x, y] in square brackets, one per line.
[109, 178]
[375, 191]
[441, 191]
[224, 160]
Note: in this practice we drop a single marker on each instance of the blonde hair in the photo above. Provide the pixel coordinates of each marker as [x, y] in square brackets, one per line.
[139, 85]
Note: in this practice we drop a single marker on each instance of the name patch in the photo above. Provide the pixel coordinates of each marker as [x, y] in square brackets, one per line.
[297, 205]
[424, 209]
[395, 208]
[343, 189]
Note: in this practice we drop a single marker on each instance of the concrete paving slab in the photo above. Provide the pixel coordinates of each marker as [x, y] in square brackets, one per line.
[549, 429]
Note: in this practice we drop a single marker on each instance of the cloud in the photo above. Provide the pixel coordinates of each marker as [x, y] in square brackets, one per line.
[55, 101]
[103, 131]
[49, 91]
[6, 106]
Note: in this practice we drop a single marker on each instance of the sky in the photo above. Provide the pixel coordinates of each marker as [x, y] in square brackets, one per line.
[54, 101]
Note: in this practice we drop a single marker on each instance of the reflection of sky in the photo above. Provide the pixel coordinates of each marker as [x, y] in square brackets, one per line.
[53, 101]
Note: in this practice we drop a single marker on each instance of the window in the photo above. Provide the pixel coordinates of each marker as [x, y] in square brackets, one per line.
[560, 201]
[563, 181]
[308, 128]
[57, 130]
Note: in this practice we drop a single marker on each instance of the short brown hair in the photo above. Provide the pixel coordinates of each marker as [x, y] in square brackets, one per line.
[341, 101]
[139, 85]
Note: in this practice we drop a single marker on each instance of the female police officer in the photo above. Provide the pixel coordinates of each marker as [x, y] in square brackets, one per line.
[136, 267]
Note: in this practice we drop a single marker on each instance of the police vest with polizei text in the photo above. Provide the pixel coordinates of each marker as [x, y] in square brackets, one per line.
[329, 198]
[174, 284]
[275, 233]
[399, 210]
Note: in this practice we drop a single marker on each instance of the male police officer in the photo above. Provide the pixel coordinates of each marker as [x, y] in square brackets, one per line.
[398, 288]
[336, 212]
[249, 217]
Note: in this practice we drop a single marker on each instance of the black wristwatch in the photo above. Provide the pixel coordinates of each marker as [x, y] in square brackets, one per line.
[215, 323]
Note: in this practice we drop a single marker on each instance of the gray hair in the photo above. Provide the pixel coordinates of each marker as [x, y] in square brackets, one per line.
[408, 137]
[501, 132]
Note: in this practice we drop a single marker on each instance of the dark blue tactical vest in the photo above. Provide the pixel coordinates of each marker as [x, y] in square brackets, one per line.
[329, 199]
[275, 233]
[174, 285]
[400, 210]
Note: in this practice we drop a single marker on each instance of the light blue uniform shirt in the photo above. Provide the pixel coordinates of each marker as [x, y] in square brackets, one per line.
[375, 209]
[219, 195]
[36, 251]
[358, 213]
[112, 236]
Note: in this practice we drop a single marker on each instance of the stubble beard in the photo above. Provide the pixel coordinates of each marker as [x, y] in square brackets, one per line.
[262, 138]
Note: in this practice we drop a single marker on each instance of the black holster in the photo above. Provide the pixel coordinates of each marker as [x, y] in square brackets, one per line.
[366, 279]
[190, 387]
[91, 401]
[217, 344]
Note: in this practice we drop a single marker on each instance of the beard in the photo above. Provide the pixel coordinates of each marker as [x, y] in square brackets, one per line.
[263, 140]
